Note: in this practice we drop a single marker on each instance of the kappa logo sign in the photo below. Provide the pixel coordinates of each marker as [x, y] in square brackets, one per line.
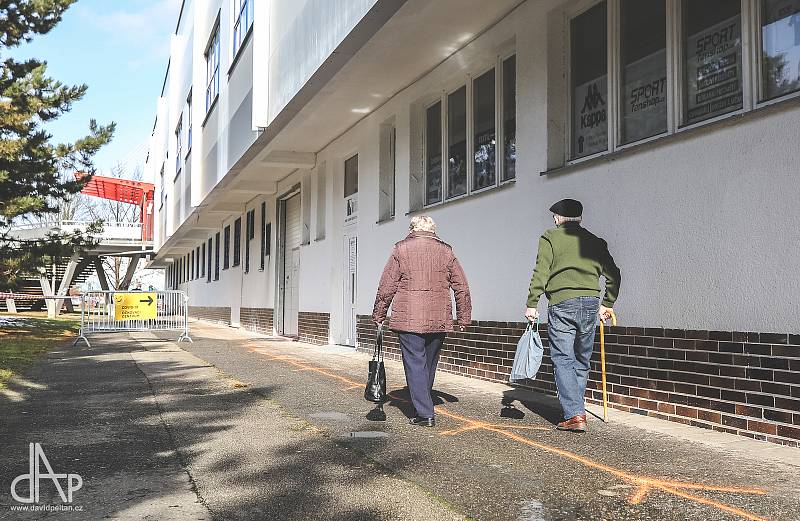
[71, 482]
[593, 112]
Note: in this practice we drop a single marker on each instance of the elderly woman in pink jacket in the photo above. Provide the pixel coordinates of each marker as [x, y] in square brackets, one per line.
[416, 282]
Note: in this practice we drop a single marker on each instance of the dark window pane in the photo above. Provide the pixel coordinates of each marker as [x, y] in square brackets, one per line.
[588, 35]
[510, 118]
[351, 176]
[483, 106]
[780, 44]
[226, 255]
[713, 66]
[644, 69]
[457, 143]
[216, 257]
[433, 153]
[263, 234]
[237, 241]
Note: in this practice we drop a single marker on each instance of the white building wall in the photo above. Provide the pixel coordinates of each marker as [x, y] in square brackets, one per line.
[701, 224]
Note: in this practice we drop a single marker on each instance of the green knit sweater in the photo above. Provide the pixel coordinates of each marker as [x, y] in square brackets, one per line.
[569, 264]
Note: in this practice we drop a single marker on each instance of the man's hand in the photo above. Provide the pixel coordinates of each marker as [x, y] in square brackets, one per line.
[605, 313]
[462, 328]
[531, 314]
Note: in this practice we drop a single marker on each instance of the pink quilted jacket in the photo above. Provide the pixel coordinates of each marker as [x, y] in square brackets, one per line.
[416, 282]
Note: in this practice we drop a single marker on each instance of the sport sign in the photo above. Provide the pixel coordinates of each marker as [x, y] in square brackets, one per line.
[135, 306]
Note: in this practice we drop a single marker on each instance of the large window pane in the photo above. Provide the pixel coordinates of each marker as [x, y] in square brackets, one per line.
[351, 176]
[713, 61]
[780, 44]
[644, 69]
[483, 106]
[589, 54]
[510, 118]
[433, 153]
[457, 143]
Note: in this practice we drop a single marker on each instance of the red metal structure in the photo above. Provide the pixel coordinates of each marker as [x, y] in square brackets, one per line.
[125, 191]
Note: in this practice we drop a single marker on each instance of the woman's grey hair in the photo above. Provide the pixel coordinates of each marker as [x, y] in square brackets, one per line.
[560, 219]
[422, 223]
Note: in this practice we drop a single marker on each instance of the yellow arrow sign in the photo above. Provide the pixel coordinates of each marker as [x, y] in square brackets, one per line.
[135, 306]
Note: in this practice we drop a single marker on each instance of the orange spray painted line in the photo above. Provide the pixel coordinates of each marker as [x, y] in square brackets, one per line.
[603, 362]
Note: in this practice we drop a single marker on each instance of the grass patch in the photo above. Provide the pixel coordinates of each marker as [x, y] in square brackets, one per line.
[24, 339]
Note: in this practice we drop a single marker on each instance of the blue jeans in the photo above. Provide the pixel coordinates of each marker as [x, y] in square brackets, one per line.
[420, 356]
[571, 327]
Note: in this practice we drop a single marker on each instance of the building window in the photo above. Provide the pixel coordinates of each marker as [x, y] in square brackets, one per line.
[387, 171]
[179, 144]
[351, 176]
[216, 257]
[485, 138]
[212, 68]
[589, 75]
[713, 61]
[226, 255]
[250, 226]
[163, 191]
[351, 188]
[203, 261]
[643, 69]
[189, 123]
[479, 145]
[209, 267]
[510, 118]
[237, 241]
[433, 153]
[780, 48]
[267, 239]
[198, 263]
[692, 52]
[263, 235]
[457, 143]
[243, 11]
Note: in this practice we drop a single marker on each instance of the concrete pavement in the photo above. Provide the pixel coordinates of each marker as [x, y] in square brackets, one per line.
[236, 426]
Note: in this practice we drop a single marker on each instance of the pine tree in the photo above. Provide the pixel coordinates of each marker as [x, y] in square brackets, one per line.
[35, 174]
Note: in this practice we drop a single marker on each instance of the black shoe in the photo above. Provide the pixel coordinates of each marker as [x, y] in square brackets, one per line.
[422, 422]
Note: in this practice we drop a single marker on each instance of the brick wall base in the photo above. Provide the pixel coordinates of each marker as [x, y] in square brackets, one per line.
[258, 320]
[218, 315]
[735, 382]
[314, 328]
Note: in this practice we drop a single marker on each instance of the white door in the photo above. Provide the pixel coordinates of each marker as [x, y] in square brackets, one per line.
[291, 266]
[350, 289]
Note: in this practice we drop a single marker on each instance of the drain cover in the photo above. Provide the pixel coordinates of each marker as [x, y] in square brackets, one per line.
[332, 416]
[369, 434]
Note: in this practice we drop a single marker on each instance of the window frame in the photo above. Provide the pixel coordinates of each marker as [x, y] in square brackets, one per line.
[757, 39]
[213, 78]
[237, 46]
[751, 71]
[237, 242]
[179, 145]
[443, 98]
[189, 124]
[226, 247]
[216, 256]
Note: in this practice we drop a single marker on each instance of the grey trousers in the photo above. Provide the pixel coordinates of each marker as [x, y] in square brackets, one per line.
[420, 356]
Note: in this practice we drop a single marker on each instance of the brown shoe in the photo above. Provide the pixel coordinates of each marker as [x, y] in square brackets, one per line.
[574, 424]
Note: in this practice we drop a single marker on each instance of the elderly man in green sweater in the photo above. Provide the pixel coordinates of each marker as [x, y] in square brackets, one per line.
[569, 264]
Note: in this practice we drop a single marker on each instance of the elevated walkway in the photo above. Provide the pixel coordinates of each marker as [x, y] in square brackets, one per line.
[117, 239]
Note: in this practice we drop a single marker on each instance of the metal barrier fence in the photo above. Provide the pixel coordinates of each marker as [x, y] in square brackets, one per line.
[116, 311]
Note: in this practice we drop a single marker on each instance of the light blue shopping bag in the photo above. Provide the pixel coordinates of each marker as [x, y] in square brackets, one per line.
[529, 354]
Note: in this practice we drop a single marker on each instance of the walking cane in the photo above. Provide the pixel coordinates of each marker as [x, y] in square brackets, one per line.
[603, 362]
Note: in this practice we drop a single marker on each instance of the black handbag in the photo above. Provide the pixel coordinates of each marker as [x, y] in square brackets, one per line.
[376, 381]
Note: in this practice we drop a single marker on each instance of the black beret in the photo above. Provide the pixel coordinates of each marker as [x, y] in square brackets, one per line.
[567, 208]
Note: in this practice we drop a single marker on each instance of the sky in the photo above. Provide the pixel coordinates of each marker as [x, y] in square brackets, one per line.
[119, 49]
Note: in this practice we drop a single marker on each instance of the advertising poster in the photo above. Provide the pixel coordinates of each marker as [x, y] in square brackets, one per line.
[714, 71]
[644, 107]
[590, 114]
